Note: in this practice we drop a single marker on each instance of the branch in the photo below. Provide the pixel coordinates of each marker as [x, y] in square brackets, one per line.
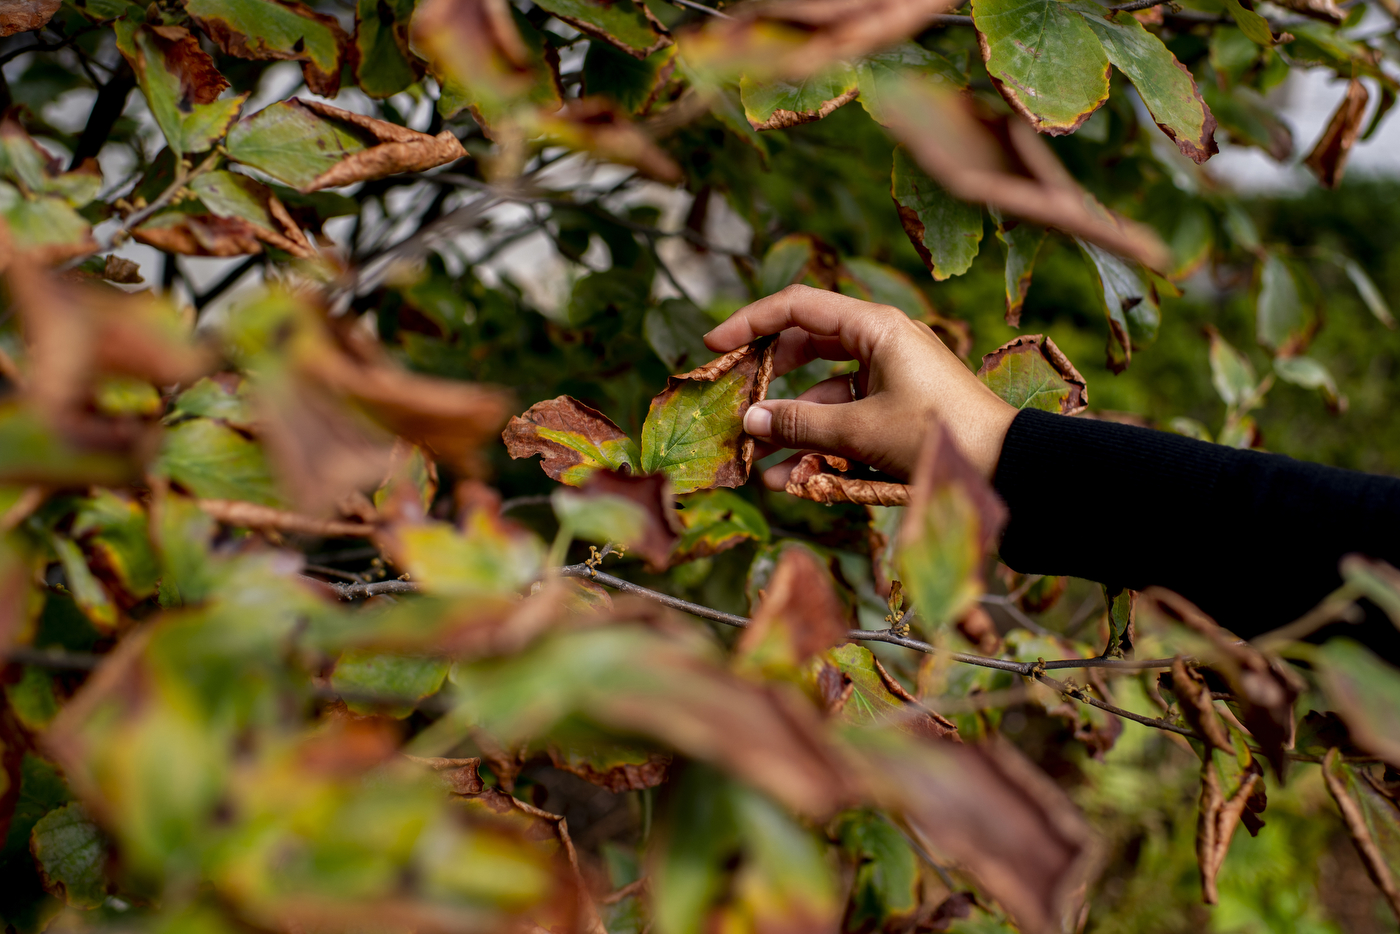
[365, 591]
[135, 219]
[1138, 5]
[951, 19]
[54, 46]
[700, 7]
[675, 603]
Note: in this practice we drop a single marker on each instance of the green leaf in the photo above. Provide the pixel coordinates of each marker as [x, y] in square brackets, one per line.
[633, 84]
[675, 330]
[600, 518]
[383, 64]
[940, 560]
[871, 703]
[876, 282]
[362, 677]
[1231, 372]
[715, 521]
[1031, 372]
[1232, 54]
[485, 558]
[1368, 291]
[776, 103]
[72, 855]
[1371, 814]
[946, 232]
[1121, 603]
[1022, 242]
[694, 430]
[1282, 320]
[30, 452]
[41, 790]
[1044, 59]
[92, 598]
[126, 395]
[113, 529]
[1308, 373]
[576, 440]
[1365, 691]
[1249, 121]
[1166, 87]
[32, 699]
[212, 461]
[626, 24]
[887, 869]
[892, 64]
[1251, 23]
[292, 143]
[1130, 303]
[181, 85]
[229, 194]
[45, 224]
[210, 399]
[783, 263]
[264, 29]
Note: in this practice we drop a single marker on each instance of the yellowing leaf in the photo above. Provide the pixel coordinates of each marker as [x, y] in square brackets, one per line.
[384, 66]
[487, 557]
[715, 521]
[575, 440]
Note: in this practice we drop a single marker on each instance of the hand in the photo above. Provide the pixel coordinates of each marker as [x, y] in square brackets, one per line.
[906, 375]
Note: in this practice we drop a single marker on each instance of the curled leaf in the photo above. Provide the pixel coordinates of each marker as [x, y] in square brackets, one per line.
[1031, 372]
[574, 439]
[1223, 804]
[1328, 158]
[868, 695]
[1198, 707]
[1372, 818]
[26, 15]
[819, 477]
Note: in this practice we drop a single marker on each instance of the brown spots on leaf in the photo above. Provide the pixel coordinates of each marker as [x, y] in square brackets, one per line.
[781, 119]
[1328, 158]
[200, 81]
[323, 81]
[564, 415]
[26, 15]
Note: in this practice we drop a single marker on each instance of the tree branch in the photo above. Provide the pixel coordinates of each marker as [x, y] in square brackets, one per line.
[700, 8]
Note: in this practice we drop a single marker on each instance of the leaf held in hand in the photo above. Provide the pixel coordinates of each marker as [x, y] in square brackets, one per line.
[1031, 372]
[574, 439]
[694, 430]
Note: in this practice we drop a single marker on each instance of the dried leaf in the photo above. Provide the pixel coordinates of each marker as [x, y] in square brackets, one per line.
[1325, 10]
[596, 125]
[265, 518]
[1222, 806]
[799, 617]
[199, 234]
[1372, 818]
[574, 439]
[277, 30]
[1198, 708]
[26, 15]
[1002, 162]
[617, 768]
[694, 430]
[1031, 372]
[1328, 158]
[818, 477]
[312, 145]
[459, 775]
[992, 812]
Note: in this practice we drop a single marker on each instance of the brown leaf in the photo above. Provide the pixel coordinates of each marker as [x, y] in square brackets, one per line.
[266, 518]
[474, 41]
[1325, 10]
[1219, 816]
[653, 493]
[978, 628]
[624, 776]
[1198, 707]
[200, 81]
[1355, 818]
[1001, 161]
[200, 234]
[1328, 158]
[593, 440]
[1076, 400]
[120, 269]
[995, 814]
[818, 477]
[799, 616]
[399, 149]
[1265, 689]
[598, 126]
[794, 38]
[26, 15]
[325, 82]
[460, 775]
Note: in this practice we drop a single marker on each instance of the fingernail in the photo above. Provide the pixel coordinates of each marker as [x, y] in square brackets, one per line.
[758, 422]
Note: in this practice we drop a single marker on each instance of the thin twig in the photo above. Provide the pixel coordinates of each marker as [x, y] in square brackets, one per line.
[42, 47]
[701, 8]
[135, 219]
[364, 591]
[1085, 697]
[515, 502]
[675, 603]
[56, 659]
[1138, 5]
[951, 19]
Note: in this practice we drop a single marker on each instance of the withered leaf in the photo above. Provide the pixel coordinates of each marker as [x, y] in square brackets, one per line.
[799, 617]
[574, 439]
[1372, 818]
[180, 82]
[266, 518]
[1031, 372]
[459, 775]
[694, 430]
[616, 768]
[1220, 815]
[1325, 10]
[277, 30]
[598, 126]
[26, 15]
[867, 695]
[1328, 158]
[819, 477]
[1198, 707]
[994, 813]
[653, 493]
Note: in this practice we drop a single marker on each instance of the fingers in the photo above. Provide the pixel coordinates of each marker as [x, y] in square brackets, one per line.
[776, 477]
[790, 423]
[828, 392]
[797, 347]
[856, 325]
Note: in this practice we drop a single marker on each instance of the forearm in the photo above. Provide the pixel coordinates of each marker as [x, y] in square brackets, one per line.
[1254, 539]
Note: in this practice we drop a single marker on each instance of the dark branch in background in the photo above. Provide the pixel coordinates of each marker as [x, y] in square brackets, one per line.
[952, 19]
[700, 7]
[228, 281]
[1139, 5]
[106, 109]
[53, 46]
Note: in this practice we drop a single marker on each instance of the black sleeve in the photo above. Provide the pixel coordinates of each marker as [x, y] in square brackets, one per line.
[1253, 539]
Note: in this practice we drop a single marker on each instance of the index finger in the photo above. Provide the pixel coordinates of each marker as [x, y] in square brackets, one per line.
[857, 324]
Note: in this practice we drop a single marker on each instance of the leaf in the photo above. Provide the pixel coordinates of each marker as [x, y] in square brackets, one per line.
[634, 85]
[277, 30]
[1231, 373]
[1310, 374]
[212, 461]
[32, 699]
[597, 126]
[1227, 785]
[92, 598]
[24, 161]
[625, 24]
[715, 521]
[1328, 158]
[799, 617]
[1003, 163]
[1044, 59]
[229, 195]
[112, 528]
[798, 258]
[1122, 606]
[993, 813]
[213, 397]
[1130, 302]
[26, 15]
[952, 517]
[1372, 818]
[488, 556]
[819, 478]
[1377, 580]
[1165, 85]
[1251, 23]
[48, 228]
[199, 234]
[887, 869]
[694, 429]
[945, 231]
[879, 68]
[1366, 692]
[363, 678]
[1198, 707]
[776, 104]
[31, 451]
[181, 84]
[616, 767]
[636, 511]
[1031, 372]
[575, 440]
[384, 65]
[1283, 323]
[869, 696]
[1022, 242]
[1368, 292]
[311, 145]
[72, 856]
[1248, 120]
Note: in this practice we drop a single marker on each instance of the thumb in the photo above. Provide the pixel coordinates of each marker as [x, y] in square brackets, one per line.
[789, 423]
